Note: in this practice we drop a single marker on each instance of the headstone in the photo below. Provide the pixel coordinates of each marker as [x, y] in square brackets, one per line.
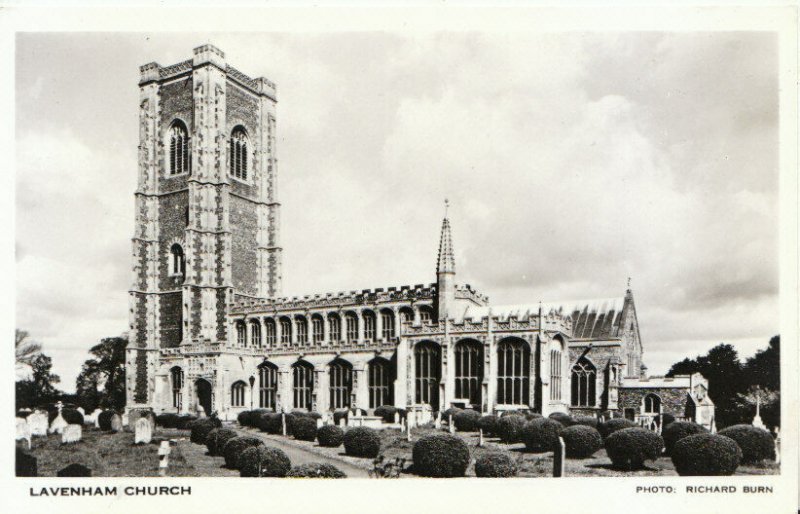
[26, 464]
[116, 423]
[80, 409]
[283, 423]
[71, 434]
[451, 427]
[319, 423]
[143, 431]
[438, 423]
[480, 437]
[24, 431]
[58, 425]
[342, 422]
[559, 456]
[125, 419]
[397, 417]
[163, 458]
[75, 470]
[38, 423]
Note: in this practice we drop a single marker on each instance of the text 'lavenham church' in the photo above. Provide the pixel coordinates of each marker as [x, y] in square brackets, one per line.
[209, 329]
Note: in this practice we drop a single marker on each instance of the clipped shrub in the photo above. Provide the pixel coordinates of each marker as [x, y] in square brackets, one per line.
[26, 464]
[588, 421]
[529, 415]
[509, 428]
[217, 439]
[495, 464]
[511, 413]
[541, 435]
[667, 419]
[362, 442]
[316, 470]
[756, 443]
[629, 448]
[167, 420]
[314, 415]
[467, 420]
[304, 428]
[270, 423]
[488, 424]
[263, 461]
[72, 416]
[563, 418]
[440, 456]
[706, 455]
[581, 441]
[339, 415]
[200, 430]
[104, 419]
[236, 446]
[330, 436]
[245, 418]
[676, 431]
[386, 412]
[452, 411]
[184, 422]
[612, 425]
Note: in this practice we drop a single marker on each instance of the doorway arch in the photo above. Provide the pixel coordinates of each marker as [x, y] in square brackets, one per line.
[202, 389]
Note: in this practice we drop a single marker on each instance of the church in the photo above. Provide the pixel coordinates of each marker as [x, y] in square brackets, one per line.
[210, 330]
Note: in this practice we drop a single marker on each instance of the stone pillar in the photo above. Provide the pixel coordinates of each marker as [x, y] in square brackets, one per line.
[401, 398]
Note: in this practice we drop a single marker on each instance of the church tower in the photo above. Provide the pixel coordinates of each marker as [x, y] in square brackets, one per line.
[207, 215]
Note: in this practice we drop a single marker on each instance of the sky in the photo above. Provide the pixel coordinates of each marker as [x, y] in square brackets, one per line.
[571, 162]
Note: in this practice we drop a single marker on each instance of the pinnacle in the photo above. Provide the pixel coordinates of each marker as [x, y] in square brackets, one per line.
[446, 262]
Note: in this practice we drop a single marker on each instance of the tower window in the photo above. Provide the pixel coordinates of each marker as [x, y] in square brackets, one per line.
[178, 148]
[177, 264]
[238, 153]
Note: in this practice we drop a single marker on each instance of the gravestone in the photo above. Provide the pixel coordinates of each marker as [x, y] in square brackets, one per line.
[143, 431]
[438, 423]
[342, 422]
[80, 409]
[38, 423]
[559, 456]
[58, 425]
[125, 419]
[451, 427]
[283, 423]
[25, 464]
[116, 423]
[23, 431]
[480, 437]
[71, 434]
[163, 458]
[319, 423]
[397, 417]
[75, 470]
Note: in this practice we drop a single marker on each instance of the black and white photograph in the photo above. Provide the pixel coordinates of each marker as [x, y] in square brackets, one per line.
[552, 255]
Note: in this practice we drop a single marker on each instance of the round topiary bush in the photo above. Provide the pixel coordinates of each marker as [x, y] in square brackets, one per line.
[495, 464]
[612, 425]
[467, 420]
[104, 419]
[304, 429]
[200, 430]
[488, 424]
[386, 412]
[511, 413]
[452, 411]
[236, 446]
[167, 420]
[339, 415]
[440, 456]
[529, 415]
[270, 423]
[676, 431]
[581, 441]
[706, 455]
[362, 442]
[756, 443]
[217, 439]
[667, 419]
[541, 435]
[509, 428]
[183, 422]
[72, 416]
[316, 470]
[563, 418]
[588, 421]
[245, 418]
[629, 448]
[263, 461]
[330, 436]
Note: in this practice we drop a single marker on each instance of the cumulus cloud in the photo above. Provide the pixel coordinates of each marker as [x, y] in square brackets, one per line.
[571, 161]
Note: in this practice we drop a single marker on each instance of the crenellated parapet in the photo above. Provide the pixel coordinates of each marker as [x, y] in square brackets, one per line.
[551, 322]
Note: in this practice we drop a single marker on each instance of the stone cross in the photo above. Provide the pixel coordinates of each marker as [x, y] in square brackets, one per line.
[71, 434]
[163, 458]
[58, 424]
[59, 406]
[143, 431]
[559, 457]
[24, 431]
[38, 423]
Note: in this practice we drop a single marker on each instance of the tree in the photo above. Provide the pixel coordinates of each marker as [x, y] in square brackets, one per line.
[40, 387]
[26, 350]
[102, 378]
[758, 396]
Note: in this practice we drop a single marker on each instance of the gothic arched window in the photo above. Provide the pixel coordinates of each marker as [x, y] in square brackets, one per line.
[340, 381]
[267, 385]
[334, 327]
[584, 379]
[177, 263]
[302, 329]
[271, 334]
[178, 148]
[369, 325]
[387, 324]
[286, 330]
[317, 328]
[303, 384]
[513, 372]
[176, 374]
[555, 374]
[380, 382]
[427, 373]
[238, 153]
[469, 371]
[652, 404]
[352, 326]
[241, 334]
[255, 333]
[237, 394]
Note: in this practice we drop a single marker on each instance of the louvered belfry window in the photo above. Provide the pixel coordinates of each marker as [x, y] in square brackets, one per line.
[238, 153]
[178, 148]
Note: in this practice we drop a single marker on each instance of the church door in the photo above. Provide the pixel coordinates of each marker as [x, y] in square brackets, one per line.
[204, 395]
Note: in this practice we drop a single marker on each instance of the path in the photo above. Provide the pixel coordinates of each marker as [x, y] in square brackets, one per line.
[302, 456]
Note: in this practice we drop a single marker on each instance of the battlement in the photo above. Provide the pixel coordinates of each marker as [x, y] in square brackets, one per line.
[550, 322]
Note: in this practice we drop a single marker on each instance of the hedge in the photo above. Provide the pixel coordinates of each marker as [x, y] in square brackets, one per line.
[495, 464]
[339, 415]
[263, 461]
[72, 416]
[104, 419]
[362, 442]
[440, 456]
[563, 418]
[386, 412]
[452, 411]
[509, 428]
[629, 448]
[330, 436]
[200, 430]
[756, 443]
[217, 439]
[488, 424]
[541, 435]
[581, 441]
[667, 419]
[245, 418]
[706, 455]
[612, 425]
[316, 470]
[304, 428]
[467, 420]
[236, 447]
[167, 420]
[677, 430]
[588, 421]
[185, 421]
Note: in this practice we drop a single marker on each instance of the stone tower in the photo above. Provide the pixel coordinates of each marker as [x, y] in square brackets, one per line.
[207, 216]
